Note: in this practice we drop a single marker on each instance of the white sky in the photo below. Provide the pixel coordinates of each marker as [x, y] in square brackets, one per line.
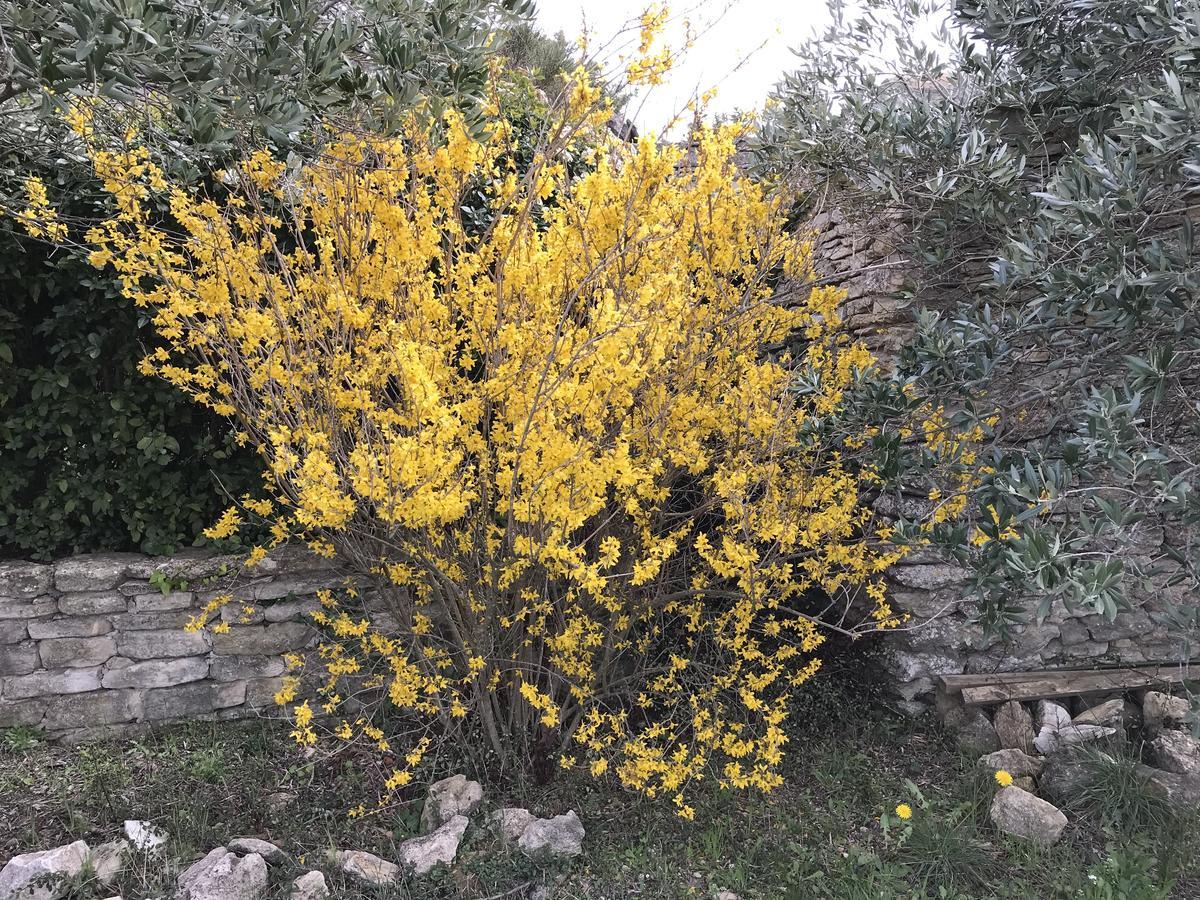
[729, 33]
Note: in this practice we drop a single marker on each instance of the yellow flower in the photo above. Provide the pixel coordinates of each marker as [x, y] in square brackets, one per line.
[904, 811]
[1003, 778]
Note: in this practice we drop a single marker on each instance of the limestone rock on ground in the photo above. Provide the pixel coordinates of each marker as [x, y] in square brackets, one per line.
[1053, 740]
[1110, 713]
[1014, 727]
[1023, 815]
[1052, 716]
[1159, 709]
[1178, 752]
[439, 847]
[310, 886]
[367, 868]
[1180, 792]
[1064, 776]
[450, 797]
[43, 874]
[108, 860]
[145, 836]
[1013, 761]
[973, 731]
[268, 851]
[560, 836]
[511, 822]
[223, 875]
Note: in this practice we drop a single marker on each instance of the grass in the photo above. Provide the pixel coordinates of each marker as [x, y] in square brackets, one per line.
[821, 836]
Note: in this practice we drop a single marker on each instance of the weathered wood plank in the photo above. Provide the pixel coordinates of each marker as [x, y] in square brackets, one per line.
[1050, 685]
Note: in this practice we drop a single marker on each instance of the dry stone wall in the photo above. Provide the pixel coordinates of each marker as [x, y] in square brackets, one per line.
[90, 646]
[943, 638]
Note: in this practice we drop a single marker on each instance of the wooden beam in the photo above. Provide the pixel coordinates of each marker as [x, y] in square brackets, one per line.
[1045, 685]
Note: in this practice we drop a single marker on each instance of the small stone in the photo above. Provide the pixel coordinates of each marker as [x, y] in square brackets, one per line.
[1178, 752]
[268, 851]
[24, 579]
[1012, 761]
[367, 868]
[93, 571]
[279, 801]
[1180, 792]
[1014, 726]
[1065, 775]
[145, 836]
[1025, 783]
[1159, 709]
[42, 875]
[310, 886]
[450, 797]
[728, 895]
[224, 876]
[438, 847]
[972, 731]
[560, 836]
[1110, 713]
[91, 603]
[108, 860]
[511, 822]
[1023, 815]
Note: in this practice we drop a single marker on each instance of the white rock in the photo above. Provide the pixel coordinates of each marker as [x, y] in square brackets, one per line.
[310, 886]
[436, 848]
[23, 876]
[367, 868]
[511, 822]
[224, 876]
[1023, 815]
[1051, 715]
[560, 836]
[108, 860]
[1048, 741]
[144, 836]
[450, 797]
[268, 851]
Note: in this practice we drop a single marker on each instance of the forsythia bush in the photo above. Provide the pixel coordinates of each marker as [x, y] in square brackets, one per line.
[558, 452]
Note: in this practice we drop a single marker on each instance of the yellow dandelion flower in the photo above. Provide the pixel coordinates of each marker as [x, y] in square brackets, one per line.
[1003, 778]
[904, 811]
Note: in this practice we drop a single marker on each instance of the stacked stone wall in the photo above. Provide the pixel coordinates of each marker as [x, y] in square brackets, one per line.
[90, 646]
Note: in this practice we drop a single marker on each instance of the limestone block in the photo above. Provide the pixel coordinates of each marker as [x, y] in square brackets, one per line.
[263, 640]
[27, 609]
[93, 571]
[90, 709]
[187, 700]
[19, 659]
[156, 644]
[13, 631]
[58, 653]
[52, 683]
[238, 668]
[160, 602]
[91, 603]
[151, 673]
[21, 580]
[72, 626]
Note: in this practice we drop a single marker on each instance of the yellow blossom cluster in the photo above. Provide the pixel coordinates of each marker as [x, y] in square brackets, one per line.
[533, 411]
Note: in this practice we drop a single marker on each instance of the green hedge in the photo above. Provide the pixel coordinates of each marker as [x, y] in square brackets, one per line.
[93, 455]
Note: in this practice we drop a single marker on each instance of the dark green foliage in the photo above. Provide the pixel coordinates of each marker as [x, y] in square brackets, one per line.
[93, 455]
